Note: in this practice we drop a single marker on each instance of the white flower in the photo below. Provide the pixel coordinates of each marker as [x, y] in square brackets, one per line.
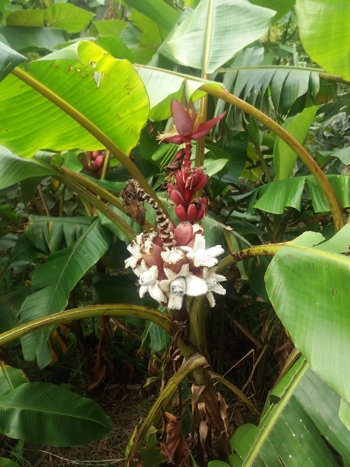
[212, 281]
[172, 256]
[181, 284]
[200, 256]
[148, 281]
[135, 249]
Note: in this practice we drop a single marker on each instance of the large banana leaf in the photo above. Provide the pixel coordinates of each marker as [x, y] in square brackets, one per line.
[283, 155]
[45, 413]
[106, 91]
[309, 289]
[158, 11]
[53, 281]
[59, 15]
[51, 234]
[9, 59]
[222, 28]
[281, 6]
[11, 378]
[324, 32]
[277, 195]
[300, 410]
[15, 169]
[26, 38]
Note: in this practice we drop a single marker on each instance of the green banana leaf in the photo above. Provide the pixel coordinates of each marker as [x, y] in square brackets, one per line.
[11, 378]
[15, 169]
[252, 78]
[53, 281]
[9, 59]
[299, 412]
[277, 195]
[324, 32]
[26, 38]
[52, 234]
[45, 413]
[157, 10]
[106, 91]
[283, 155]
[215, 31]
[281, 6]
[309, 290]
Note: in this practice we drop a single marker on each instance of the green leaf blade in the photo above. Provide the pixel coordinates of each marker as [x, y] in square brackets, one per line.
[60, 418]
[309, 291]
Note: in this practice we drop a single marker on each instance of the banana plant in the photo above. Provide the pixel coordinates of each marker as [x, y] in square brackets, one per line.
[84, 98]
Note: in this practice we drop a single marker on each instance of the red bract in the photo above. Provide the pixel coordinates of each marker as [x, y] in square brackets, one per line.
[187, 124]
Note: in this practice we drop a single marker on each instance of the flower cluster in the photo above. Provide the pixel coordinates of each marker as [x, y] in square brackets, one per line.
[186, 180]
[93, 162]
[170, 274]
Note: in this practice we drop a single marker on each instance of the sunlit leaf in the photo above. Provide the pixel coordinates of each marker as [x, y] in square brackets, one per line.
[71, 74]
[44, 413]
[234, 24]
[33, 18]
[275, 196]
[68, 17]
[324, 32]
[157, 10]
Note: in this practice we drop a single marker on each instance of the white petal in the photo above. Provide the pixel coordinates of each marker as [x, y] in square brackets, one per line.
[157, 294]
[164, 285]
[175, 302]
[197, 229]
[211, 299]
[149, 277]
[142, 291]
[172, 256]
[202, 257]
[195, 286]
[199, 242]
[172, 275]
[218, 289]
[215, 251]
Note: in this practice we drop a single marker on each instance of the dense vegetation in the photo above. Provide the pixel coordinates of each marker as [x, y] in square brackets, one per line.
[199, 148]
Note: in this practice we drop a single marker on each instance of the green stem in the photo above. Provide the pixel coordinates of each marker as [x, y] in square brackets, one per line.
[292, 143]
[70, 176]
[154, 415]
[91, 128]
[136, 311]
[260, 250]
[98, 204]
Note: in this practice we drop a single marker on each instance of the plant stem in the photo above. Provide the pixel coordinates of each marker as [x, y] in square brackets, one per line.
[136, 311]
[260, 250]
[91, 128]
[102, 207]
[155, 414]
[292, 142]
